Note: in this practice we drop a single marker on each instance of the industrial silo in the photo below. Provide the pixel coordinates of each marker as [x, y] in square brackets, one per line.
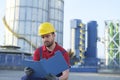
[91, 59]
[23, 17]
[112, 43]
[92, 39]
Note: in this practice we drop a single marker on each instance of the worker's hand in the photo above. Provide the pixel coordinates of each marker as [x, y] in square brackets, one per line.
[51, 77]
[58, 75]
[29, 71]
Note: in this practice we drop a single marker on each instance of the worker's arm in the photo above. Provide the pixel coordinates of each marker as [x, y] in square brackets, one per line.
[65, 75]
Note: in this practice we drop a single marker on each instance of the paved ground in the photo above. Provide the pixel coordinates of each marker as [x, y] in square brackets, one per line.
[16, 75]
[93, 76]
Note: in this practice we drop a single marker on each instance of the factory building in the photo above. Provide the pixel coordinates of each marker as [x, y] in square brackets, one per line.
[84, 46]
[77, 37]
[112, 43]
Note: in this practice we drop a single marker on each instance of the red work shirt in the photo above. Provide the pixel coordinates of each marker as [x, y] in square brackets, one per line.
[47, 54]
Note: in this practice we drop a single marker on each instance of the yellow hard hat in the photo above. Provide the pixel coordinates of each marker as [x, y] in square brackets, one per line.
[45, 28]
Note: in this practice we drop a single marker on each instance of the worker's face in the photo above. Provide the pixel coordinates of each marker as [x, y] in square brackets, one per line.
[48, 39]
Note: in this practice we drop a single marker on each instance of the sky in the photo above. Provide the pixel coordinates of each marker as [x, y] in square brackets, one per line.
[86, 10]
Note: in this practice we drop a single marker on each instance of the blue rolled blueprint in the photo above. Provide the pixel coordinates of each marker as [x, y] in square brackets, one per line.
[53, 65]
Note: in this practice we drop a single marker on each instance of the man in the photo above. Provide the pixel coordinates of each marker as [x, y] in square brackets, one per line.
[47, 33]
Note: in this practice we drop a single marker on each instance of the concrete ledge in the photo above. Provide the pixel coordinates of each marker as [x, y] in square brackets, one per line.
[83, 70]
[109, 71]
